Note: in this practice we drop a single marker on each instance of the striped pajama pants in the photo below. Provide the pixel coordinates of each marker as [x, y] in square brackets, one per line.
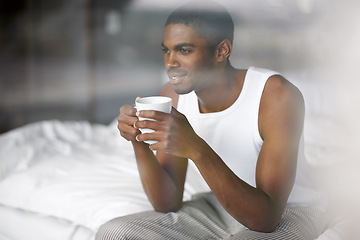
[204, 218]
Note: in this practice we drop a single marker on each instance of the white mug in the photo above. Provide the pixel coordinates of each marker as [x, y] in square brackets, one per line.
[156, 103]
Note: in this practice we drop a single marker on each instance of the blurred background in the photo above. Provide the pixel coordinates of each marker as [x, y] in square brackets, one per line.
[83, 59]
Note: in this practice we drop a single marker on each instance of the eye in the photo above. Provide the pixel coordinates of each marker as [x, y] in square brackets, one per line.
[165, 50]
[185, 50]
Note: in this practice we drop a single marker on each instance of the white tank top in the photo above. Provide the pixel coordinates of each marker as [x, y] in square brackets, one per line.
[234, 135]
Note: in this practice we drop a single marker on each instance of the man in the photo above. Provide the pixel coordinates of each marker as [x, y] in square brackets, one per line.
[241, 128]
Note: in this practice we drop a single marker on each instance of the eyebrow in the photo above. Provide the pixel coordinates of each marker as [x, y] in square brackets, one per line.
[180, 45]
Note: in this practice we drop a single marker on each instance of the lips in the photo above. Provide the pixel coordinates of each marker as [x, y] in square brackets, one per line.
[176, 76]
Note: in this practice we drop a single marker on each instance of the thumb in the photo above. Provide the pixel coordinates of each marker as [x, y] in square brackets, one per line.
[175, 111]
[178, 115]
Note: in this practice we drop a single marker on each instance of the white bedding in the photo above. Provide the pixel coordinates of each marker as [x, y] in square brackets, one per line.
[23, 225]
[81, 173]
[71, 177]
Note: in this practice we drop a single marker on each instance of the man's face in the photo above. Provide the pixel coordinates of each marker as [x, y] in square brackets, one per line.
[186, 58]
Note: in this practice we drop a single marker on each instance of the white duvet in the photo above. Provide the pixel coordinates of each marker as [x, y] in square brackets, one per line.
[76, 171]
[86, 174]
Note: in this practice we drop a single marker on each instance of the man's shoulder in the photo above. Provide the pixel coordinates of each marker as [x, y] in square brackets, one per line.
[262, 71]
[278, 86]
[282, 106]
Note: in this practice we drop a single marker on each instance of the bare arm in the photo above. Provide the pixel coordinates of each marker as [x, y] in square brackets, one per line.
[280, 126]
[280, 123]
[163, 175]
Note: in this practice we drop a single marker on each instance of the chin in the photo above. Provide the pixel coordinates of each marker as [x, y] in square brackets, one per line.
[181, 91]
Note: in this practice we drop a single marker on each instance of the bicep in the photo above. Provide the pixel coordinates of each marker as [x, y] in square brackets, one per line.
[275, 170]
[280, 124]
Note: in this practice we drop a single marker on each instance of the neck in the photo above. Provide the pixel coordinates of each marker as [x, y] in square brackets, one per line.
[223, 92]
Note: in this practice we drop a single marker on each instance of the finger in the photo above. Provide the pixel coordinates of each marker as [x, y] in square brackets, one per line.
[150, 124]
[160, 146]
[128, 129]
[156, 115]
[156, 146]
[176, 113]
[152, 136]
[128, 132]
[137, 98]
[128, 110]
[127, 119]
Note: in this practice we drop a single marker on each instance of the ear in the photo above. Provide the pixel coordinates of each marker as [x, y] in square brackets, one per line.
[223, 50]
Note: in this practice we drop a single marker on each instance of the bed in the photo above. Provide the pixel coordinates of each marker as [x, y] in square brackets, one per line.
[62, 180]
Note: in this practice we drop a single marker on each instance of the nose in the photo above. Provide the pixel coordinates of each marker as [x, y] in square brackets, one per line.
[171, 60]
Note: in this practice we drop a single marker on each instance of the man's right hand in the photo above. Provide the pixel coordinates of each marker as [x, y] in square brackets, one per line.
[126, 120]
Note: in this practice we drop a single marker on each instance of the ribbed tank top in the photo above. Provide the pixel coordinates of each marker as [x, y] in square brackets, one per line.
[234, 135]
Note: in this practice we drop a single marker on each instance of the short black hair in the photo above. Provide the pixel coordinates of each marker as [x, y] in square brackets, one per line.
[209, 19]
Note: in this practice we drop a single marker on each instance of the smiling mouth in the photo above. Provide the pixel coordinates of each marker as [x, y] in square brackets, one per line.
[176, 79]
